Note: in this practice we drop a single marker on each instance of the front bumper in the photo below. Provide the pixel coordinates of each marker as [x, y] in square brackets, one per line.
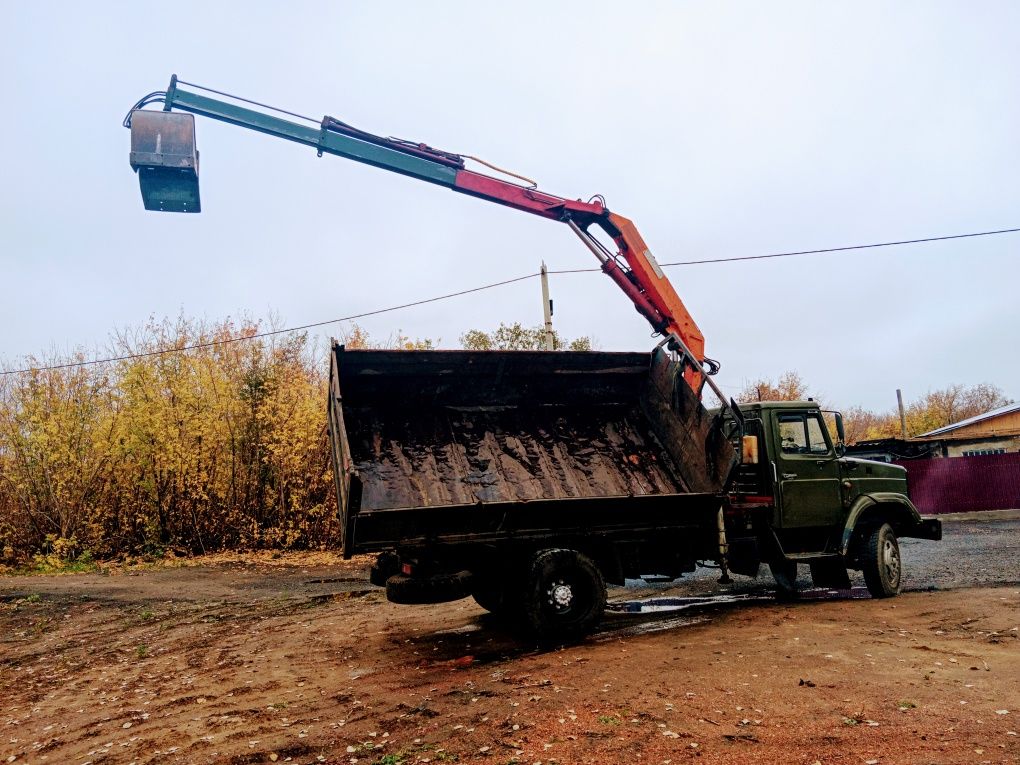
[928, 528]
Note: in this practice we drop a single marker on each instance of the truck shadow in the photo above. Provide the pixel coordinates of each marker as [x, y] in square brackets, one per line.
[488, 639]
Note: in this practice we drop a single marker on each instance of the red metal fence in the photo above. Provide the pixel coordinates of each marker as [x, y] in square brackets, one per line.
[964, 484]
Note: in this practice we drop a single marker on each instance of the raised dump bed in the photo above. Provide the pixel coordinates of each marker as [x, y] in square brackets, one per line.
[444, 446]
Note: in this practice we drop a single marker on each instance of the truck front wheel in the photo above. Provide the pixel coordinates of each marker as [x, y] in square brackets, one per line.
[881, 563]
[563, 595]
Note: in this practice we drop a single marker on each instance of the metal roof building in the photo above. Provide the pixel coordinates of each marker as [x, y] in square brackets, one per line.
[994, 432]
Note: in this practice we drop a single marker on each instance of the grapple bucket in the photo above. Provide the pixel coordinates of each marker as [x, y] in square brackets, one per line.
[164, 155]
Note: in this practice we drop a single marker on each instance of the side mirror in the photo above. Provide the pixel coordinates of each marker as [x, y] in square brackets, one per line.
[837, 418]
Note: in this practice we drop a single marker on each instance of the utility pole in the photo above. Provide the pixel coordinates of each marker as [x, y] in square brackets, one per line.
[903, 414]
[547, 309]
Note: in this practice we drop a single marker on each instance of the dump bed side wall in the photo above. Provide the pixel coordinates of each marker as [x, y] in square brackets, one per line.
[704, 458]
[556, 521]
[383, 379]
[339, 451]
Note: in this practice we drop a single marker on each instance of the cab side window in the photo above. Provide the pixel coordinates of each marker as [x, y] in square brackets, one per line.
[802, 434]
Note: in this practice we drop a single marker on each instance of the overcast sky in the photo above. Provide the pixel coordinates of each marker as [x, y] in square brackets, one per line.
[721, 129]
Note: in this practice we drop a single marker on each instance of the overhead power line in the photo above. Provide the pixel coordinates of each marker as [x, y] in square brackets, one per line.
[810, 252]
[845, 249]
[268, 333]
[493, 285]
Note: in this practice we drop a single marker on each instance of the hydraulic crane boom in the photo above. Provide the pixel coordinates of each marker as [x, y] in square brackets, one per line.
[632, 266]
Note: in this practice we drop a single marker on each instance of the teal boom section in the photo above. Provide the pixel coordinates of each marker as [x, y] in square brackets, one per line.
[325, 141]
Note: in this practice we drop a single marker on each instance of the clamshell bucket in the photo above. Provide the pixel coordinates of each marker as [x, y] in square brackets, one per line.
[164, 155]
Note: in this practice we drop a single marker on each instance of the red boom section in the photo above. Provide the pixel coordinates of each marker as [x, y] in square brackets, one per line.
[523, 198]
[644, 283]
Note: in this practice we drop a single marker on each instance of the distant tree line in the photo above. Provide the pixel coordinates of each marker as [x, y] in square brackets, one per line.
[221, 446]
[934, 409]
[516, 337]
[224, 445]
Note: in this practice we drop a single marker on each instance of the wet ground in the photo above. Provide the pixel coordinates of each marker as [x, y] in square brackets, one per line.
[976, 550]
[972, 552]
[298, 659]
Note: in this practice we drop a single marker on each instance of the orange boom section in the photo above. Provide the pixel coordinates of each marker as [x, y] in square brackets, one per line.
[659, 291]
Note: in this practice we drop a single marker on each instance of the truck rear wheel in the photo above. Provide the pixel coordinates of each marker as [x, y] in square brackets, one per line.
[881, 563]
[563, 597]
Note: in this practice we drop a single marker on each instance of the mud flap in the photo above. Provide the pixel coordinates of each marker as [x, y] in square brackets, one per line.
[386, 565]
[744, 557]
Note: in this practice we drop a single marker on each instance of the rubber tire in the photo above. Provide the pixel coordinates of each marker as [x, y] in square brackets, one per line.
[785, 574]
[881, 562]
[537, 614]
[439, 588]
[830, 574]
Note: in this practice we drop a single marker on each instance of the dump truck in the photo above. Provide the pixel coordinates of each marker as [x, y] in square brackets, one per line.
[529, 480]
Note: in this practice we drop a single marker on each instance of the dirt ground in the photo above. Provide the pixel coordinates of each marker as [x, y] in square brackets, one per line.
[300, 660]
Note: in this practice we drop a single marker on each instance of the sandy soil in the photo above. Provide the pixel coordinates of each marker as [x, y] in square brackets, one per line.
[300, 660]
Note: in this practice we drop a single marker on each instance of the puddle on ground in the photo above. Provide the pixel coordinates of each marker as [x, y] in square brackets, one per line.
[821, 593]
[462, 630]
[657, 605]
[339, 597]
[620, 622]
[631, 629]
[661, 605]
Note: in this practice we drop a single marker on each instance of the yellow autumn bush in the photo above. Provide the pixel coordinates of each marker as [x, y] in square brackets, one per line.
[219, 446]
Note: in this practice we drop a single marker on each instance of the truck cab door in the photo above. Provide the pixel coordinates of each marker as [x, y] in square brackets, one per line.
[807, 470]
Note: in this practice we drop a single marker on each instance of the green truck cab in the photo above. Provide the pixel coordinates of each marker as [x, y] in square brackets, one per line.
[827, 510]
[528, 480]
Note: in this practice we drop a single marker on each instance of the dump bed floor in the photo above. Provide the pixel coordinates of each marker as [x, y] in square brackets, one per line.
[450, 456]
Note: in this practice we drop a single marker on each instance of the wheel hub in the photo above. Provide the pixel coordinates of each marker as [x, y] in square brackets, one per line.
[891, 561]
[561, 595]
